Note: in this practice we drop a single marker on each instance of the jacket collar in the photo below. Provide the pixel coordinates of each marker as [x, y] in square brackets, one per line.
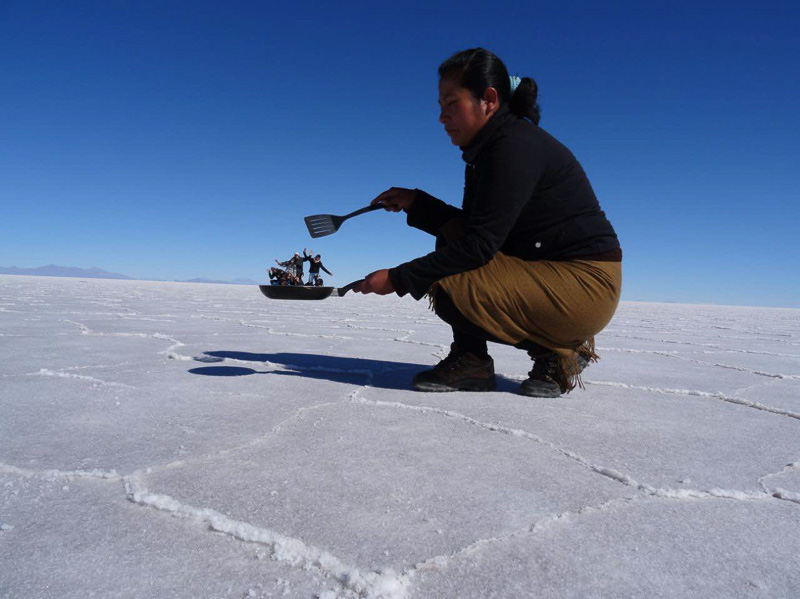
[470, 152]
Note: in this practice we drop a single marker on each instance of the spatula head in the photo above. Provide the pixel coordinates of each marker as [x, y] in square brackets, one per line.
[320, 225]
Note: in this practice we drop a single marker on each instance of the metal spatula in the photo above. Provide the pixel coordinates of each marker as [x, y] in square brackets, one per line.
[320, 225]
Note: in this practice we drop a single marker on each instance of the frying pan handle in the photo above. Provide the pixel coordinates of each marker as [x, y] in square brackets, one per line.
[349, 287]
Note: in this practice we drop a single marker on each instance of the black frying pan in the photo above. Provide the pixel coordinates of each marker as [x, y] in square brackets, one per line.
[301, 292]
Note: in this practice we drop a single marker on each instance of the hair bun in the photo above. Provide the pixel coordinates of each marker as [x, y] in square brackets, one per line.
[530, 84]
[523, 102]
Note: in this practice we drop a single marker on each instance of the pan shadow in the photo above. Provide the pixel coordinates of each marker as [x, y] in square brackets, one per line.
[382, 374]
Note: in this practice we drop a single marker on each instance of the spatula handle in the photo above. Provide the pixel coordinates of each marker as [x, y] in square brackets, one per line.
[363, 210]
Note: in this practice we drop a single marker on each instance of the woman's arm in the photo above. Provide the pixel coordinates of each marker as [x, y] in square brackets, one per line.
[430, 214]
[507, 175]
[425, 212]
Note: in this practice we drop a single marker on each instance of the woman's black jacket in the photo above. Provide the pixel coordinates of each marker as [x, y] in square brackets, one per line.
[525, 194]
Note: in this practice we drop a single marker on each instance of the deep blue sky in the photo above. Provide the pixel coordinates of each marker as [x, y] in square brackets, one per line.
[188, 139]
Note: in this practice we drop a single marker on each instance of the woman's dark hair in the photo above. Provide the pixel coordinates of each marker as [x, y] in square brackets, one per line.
[476, 69]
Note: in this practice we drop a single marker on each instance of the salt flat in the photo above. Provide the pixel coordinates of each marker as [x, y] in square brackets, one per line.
[180, 440]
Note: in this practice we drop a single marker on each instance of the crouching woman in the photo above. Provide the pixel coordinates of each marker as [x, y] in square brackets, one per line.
[529, 260]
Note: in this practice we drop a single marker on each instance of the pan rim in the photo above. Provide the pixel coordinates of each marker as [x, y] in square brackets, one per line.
[295, 292]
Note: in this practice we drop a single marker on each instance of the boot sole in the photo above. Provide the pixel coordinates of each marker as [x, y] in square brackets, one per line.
[542, 391]
[465, 385]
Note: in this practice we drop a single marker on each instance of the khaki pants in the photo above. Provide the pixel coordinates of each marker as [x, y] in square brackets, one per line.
[560, 305]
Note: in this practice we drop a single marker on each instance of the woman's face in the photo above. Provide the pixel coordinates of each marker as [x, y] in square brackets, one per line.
[461, 114]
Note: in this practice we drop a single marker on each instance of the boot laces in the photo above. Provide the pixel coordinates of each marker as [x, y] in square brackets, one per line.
[545, 369]
[452, 361]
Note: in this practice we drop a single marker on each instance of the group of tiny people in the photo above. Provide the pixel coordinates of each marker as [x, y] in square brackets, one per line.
[292, 271]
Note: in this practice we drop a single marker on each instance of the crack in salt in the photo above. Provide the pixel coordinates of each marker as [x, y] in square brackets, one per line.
[440, 562]
[96, 473]
[243, 446]
[675, 355]
[169, 352]
[779, 492]
[80, 377]
[272, 331]
[382, 584]
[607, 472]
[665, 493]
[703, 394]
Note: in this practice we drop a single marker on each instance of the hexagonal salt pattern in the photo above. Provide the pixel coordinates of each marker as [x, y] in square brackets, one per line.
[165, 439]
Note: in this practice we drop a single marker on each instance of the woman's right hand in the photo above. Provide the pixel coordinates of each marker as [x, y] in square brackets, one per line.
[396, 199]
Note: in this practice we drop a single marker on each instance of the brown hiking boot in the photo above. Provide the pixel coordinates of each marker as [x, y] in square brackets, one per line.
[547, 378]
[459, 371]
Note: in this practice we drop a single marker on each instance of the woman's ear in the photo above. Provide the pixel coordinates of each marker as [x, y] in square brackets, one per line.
[491, 101]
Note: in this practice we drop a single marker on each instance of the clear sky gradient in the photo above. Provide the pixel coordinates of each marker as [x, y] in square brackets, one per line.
[173, 140]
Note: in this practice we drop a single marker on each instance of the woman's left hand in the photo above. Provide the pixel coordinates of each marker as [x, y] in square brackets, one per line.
[376, 282]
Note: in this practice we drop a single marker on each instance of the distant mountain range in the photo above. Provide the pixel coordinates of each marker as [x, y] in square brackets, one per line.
[52, 270]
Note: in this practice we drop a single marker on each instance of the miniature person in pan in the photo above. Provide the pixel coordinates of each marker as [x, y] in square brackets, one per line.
[315, 264]
[529, 260]
[278, 276]
[294, 266]
[275, 275]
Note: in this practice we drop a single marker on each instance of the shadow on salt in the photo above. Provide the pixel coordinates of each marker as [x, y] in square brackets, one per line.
[340, 369]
